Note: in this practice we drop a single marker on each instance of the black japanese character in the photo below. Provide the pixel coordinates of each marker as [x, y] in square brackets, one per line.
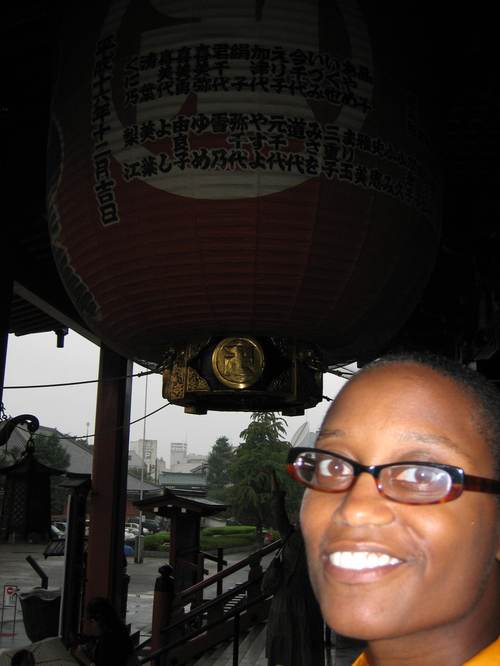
[131, 135]
[164, 164]
[345, 172]
[148, 131]
[131, 170]
[238, 159]
[239, 52]
[109, 214]
[163, 128]
[105, 44]
[360, 175]
[101, 167]
[148, 61]
[200, 159]
[149, 167]
[199, 123]
[296, 128]
[180, 124]
[100, 131]
[147, 92]
[220, 123]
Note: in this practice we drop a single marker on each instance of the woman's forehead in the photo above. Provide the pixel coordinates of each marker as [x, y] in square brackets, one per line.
[406, 381]
[412, 403]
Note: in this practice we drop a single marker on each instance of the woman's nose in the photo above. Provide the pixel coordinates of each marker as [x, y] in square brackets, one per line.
[364, 505]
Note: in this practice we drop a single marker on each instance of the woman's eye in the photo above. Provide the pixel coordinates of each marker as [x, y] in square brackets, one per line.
[333, 467]
[417, 475]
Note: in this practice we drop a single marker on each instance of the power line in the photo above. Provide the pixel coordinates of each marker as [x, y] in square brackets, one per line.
[67, 436]
[87, 381]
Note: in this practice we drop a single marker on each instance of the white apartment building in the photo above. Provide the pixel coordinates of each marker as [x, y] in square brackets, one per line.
[148, 448]
[183, 461]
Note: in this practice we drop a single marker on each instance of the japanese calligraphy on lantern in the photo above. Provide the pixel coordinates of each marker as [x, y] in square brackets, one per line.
[245, 67]
[268, 142]
[104, 184]
[294, 112]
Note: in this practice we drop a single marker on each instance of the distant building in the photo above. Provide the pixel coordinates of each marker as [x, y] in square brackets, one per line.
[183, 461]
[201, 469]
[161, 466]
[134, 460]
[183, 481]
[147, 449]
[178, 453]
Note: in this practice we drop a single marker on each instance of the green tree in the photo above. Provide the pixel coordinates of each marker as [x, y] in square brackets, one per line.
[10, 455]
[50, 451]
[261, 451]
[219, 462]
[264, 426]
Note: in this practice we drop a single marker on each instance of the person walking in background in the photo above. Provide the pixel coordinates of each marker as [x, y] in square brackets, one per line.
[111, 644]
[295, 628]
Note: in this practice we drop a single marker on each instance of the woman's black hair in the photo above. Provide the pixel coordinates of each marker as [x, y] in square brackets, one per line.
[23, 658]
[103, 613]
[482, 391]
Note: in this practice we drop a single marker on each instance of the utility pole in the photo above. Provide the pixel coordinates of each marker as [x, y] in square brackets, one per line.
[139, 548]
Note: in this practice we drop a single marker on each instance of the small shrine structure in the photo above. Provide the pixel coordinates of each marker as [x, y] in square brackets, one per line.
[185, 509]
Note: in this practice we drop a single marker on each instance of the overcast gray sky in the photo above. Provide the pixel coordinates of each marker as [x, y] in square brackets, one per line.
[35, 359]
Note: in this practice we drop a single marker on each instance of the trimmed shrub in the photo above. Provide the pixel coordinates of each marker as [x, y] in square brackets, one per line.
[158, 541]
[229, 529]
[211, 538]
[226, 541]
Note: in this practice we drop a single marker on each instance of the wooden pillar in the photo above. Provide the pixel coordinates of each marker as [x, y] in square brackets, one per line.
[5, 301]
[105, 560]
[71, 606]
[184, 547]
[163, 604]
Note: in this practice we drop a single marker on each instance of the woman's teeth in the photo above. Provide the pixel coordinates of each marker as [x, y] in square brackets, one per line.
[361, 560]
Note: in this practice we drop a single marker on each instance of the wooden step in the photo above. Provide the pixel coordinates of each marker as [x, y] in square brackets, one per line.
[251, 652]
[255, 654]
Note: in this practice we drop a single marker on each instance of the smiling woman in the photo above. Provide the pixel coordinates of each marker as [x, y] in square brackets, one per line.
[401, 517]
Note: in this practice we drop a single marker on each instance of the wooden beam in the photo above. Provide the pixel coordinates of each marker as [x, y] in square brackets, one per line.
[105, 560]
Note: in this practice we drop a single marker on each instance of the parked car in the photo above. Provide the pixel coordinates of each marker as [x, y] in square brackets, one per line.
[135, 521]
[61, 525]
[129, 537]
[134, 527]
[151, 525]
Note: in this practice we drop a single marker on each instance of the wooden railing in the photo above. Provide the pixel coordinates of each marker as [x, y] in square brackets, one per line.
[177, 635]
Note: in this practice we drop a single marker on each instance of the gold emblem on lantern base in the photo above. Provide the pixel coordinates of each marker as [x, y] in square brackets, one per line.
[242, 373]
[238, 362]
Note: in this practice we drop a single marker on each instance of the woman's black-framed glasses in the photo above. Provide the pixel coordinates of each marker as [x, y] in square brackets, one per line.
[409, 482]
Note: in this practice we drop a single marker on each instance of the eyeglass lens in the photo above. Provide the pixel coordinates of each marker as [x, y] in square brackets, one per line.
[416, 484]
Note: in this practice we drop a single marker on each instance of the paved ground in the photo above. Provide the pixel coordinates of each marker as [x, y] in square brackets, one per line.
[15, 571]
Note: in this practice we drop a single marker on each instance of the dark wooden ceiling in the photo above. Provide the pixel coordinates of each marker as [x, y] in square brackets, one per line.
[458, 313]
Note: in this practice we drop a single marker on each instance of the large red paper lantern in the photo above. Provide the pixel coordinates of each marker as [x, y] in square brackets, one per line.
[230, 167]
